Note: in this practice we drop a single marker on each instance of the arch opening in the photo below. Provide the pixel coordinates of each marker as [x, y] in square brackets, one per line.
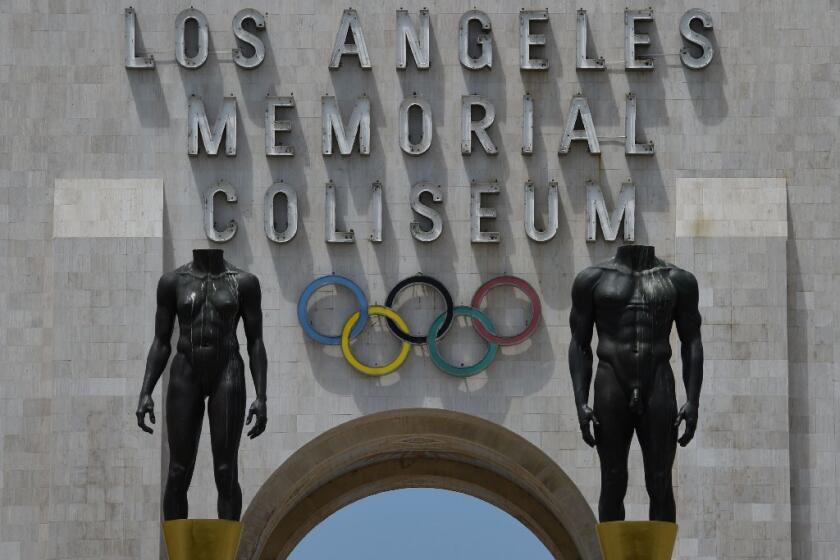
[418, 448]
[420, 523]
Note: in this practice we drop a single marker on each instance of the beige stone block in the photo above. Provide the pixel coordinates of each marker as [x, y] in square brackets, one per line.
[108, 208]
[718, 207]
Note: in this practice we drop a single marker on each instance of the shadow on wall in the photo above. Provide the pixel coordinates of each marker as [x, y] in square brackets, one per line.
[480, 167]
[516, 371]
[146, 90]
[801, 446]
[421, 384]
[649, 85]
[208, 170]
[437, 258]
[261, 81]
[552, 260]
[354, 176]
[705, 87]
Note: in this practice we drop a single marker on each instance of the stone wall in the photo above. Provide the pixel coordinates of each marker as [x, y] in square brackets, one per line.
[733, 234]
[765, 108]
[104, 481]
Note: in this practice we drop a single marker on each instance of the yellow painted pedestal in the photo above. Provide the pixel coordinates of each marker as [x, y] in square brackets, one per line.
[637, 540]
[202, 539]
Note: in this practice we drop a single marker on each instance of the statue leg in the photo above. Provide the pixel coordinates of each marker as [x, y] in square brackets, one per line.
[612, 439]
[658, 440]
[184, 415]
[226, 409]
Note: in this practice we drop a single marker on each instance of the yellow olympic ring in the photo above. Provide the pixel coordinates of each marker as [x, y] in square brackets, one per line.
[364, 368]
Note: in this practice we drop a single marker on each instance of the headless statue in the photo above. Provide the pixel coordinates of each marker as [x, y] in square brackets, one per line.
[208, 296]
[632, 300]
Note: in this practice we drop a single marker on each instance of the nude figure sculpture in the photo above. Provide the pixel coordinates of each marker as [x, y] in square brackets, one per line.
[633, 300]
[208, 296]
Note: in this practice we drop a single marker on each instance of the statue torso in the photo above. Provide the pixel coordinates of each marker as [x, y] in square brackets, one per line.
[634, 313]
[208, 310]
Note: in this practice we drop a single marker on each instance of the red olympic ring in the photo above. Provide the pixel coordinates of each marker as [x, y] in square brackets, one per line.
[528, 290]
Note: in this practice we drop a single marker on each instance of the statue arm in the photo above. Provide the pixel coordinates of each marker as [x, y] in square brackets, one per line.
[581, 322]
[688, 323]
[160, 350]
[251, 309]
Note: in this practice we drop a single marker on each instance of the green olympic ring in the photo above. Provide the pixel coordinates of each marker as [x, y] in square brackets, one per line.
[451, 369]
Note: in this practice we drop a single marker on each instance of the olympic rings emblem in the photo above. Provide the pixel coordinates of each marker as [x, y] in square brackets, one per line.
[482, 324]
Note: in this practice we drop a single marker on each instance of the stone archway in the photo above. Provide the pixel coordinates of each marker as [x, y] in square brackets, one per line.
[418, 448]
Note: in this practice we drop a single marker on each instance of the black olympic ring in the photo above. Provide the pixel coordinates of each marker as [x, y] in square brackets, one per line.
[436, 285]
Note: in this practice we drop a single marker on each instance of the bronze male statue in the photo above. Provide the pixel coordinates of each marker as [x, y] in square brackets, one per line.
[633, 299]
[208, 296]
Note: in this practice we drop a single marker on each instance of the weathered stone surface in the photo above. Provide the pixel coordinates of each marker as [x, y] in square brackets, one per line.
[765, 108]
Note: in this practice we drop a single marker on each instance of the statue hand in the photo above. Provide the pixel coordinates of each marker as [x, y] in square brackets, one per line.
[587, 417]
[258, 409]
[145, 406]
[688, 412]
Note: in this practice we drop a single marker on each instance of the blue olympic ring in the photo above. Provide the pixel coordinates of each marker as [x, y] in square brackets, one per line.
[320, 283]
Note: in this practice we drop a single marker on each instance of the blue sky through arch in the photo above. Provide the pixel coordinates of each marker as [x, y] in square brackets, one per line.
[420, 524]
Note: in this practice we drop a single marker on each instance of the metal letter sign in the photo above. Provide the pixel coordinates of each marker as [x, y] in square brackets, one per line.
[583, 62]
[479, 212]
[270, 199]
[332, 235]
[417, 232]
[579, 109]
[696, 63]
[484, 41]
[273, 126]
[419, 42]
[131, 58]
[468, 126]
[526, 40]
[210, 229]
[376, 210]
[631, 148]
[350, 22]
[633, 39]
[225, 126]
[527, 124]
[331, 123]
[553, 213]
[596, 211]
[416, 125]
[425, 142]
[200, 57]
[248, 37]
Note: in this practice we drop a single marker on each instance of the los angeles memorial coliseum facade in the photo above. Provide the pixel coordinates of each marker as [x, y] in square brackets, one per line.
[706, 128]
